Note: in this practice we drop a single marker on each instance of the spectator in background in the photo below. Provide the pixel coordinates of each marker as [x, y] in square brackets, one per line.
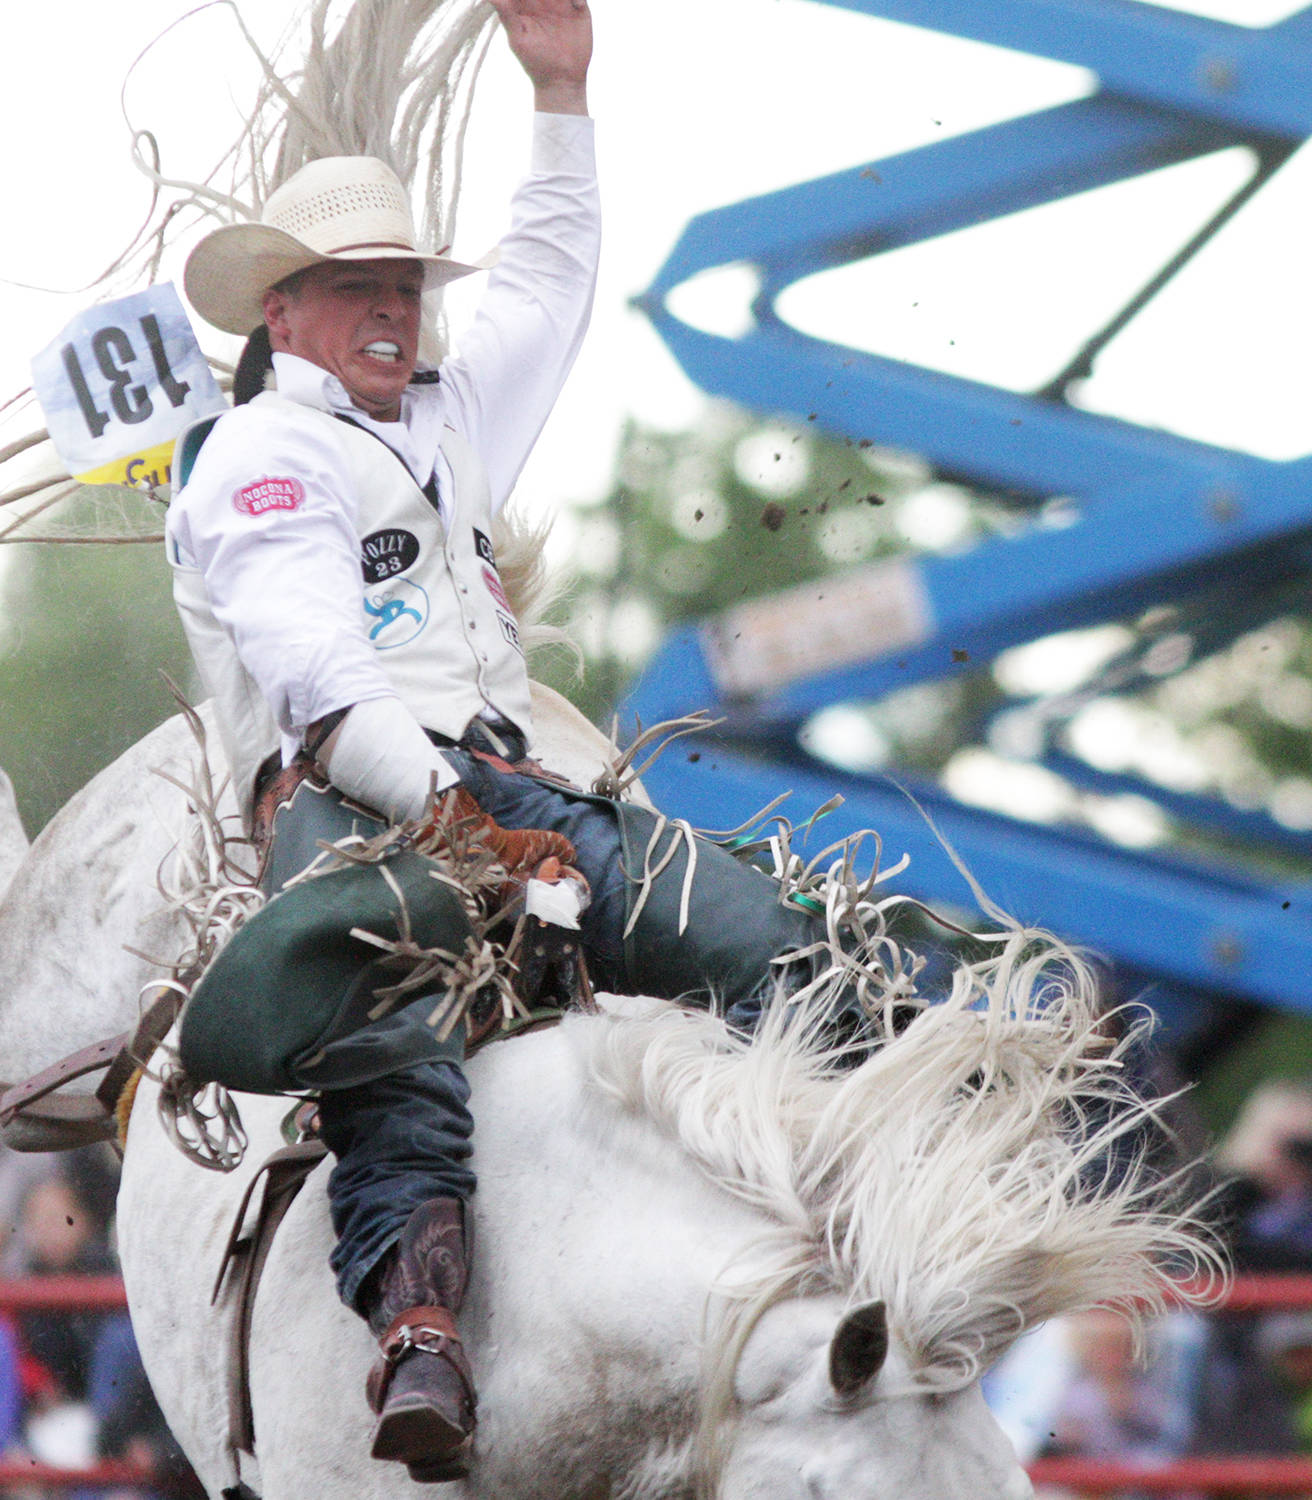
[1268, 1155]
[57, 1235]
[1286, 1342]
[1115, 1406]
[1074, 1388]
[80, 1391]
[1241, 1402]
[11, 1386]
[130, 1425]
[1080, 1391]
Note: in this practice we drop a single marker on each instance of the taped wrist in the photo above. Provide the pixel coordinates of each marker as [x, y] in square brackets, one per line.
[382, 757]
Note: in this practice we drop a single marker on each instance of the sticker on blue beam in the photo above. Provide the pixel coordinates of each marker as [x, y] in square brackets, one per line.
[868, 612]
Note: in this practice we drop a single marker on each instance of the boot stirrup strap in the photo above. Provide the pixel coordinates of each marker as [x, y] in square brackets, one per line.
[431, 1329]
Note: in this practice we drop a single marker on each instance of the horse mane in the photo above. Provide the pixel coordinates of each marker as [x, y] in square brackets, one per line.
[520, 547]
[349, 78]
[987, 1168]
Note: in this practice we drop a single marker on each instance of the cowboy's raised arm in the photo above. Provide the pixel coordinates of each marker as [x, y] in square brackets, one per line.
[515, 355]
[553, 41]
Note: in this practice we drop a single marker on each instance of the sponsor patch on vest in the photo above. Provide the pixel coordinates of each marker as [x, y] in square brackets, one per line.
[384, 554]
[264, 495]
[483, 546]
[510, 631]
[395, 613]
[494, 588]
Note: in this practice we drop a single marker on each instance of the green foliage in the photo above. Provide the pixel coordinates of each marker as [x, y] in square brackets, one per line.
[698, 521]
[84, 634]
[1242, 718]
[1278, 1047]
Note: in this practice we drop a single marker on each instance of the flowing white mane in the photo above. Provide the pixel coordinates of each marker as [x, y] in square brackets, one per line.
[986, 1169]
[368, 78]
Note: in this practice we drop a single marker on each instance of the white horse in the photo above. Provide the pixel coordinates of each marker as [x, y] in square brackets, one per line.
[701, 1268]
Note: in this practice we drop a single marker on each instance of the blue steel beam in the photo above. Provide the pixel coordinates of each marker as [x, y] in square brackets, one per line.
[1158, 518]
[1208, 929]
[1157, 511]
[1001, 438]
[1152, 542]
[1252, 78]
[1193, 810]
[933, 190]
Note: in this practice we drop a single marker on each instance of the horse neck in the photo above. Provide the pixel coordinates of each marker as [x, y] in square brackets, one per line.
[83, 896]
[13, 839]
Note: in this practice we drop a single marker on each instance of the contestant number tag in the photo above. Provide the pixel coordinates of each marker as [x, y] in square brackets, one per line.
[119, 384]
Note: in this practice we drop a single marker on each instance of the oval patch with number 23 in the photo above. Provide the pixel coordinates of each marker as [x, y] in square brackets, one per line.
[384, 554]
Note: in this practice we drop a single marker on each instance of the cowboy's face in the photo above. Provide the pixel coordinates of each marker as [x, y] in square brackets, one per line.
[359, 320]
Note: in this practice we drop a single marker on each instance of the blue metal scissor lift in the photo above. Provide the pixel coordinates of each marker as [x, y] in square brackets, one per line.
[1223, 538]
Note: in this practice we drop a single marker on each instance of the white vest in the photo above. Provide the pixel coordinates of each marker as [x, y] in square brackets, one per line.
[434, 607]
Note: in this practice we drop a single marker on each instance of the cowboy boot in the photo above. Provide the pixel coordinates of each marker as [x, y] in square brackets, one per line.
[421, 1386]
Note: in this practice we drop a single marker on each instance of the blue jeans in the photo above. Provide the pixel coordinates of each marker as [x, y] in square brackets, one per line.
[399, 1141]
[517, 801]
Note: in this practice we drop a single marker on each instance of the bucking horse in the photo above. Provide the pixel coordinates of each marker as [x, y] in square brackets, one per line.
[705, 1265]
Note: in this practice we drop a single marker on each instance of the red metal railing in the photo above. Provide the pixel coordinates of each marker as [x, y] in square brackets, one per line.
[1267, 1293]
[72, 1293]
[102, 1476]
[1252, 1476]
[1212, 1476]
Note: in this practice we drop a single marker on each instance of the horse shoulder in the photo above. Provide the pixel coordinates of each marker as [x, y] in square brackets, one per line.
[172, 1225]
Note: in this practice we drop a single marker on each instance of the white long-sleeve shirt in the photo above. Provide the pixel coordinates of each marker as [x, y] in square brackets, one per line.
[282, 567]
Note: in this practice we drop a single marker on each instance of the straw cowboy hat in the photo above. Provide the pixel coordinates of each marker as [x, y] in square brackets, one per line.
[338, 208]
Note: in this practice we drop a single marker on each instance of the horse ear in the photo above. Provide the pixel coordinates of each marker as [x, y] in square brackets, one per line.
[859, 1348]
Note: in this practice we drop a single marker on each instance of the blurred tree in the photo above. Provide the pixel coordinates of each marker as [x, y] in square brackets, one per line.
[699, 520]
[738, 507]
[84, 634]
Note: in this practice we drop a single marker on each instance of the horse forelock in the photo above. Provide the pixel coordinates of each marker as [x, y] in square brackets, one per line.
[986, 1169]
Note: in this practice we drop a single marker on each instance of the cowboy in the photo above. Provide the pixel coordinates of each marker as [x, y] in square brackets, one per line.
[335, 574]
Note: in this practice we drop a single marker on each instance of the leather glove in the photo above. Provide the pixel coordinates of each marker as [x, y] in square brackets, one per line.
[519, 851]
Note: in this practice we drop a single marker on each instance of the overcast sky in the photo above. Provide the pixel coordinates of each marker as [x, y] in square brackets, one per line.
[699, 103]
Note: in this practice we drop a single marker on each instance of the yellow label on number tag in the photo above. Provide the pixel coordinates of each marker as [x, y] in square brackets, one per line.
[147, 469]
[120, 383]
